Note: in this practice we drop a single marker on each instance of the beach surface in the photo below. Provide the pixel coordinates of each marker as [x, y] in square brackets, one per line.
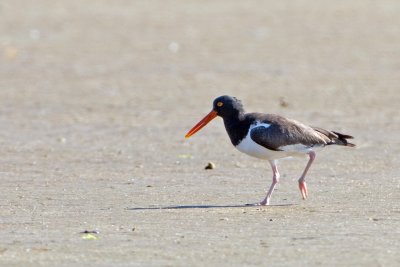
[95, 100]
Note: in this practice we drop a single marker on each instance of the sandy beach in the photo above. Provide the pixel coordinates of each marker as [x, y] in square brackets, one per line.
[95, 100]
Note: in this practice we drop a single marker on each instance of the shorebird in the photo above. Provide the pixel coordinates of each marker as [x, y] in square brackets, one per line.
[270, 137]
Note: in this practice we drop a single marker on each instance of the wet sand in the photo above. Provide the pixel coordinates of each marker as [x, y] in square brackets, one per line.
[95, 99]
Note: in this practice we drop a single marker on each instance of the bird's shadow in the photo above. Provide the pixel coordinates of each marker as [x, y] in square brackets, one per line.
[181, 207]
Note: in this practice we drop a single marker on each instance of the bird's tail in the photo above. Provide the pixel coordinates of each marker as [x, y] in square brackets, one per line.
[342, 140]
[336, 138]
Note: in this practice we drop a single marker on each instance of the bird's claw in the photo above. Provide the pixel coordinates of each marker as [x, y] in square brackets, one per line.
[303, 189]
[262, 203]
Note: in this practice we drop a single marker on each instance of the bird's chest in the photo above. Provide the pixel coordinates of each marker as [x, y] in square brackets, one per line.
[251, 148]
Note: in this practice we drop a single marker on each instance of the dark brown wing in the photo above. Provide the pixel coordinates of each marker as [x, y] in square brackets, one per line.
[283, 132]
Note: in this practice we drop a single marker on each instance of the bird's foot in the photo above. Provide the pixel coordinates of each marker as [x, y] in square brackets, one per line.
[303, 189]
[262, 203]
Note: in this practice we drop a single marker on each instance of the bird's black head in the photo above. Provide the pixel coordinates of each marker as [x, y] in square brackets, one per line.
[227, 106]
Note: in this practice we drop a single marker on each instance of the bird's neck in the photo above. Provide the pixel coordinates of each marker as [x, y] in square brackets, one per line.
[236, 127]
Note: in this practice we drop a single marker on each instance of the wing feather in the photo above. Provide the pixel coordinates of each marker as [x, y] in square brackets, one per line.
[285, 132]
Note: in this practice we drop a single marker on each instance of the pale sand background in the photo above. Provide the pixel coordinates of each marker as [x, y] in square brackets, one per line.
[96, 96]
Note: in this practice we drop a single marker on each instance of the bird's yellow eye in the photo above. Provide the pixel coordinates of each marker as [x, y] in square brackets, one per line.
[220, 104]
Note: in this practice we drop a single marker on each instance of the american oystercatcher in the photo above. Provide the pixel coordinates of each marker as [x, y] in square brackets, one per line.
[270, 137]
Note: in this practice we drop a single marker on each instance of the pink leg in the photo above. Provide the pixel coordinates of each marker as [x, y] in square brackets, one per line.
[275, 180]
[302, 183]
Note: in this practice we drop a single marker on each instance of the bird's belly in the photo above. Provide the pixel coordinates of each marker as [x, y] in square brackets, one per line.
[251, 148]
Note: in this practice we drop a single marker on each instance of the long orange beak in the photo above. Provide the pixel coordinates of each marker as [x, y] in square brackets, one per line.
[202, 123]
